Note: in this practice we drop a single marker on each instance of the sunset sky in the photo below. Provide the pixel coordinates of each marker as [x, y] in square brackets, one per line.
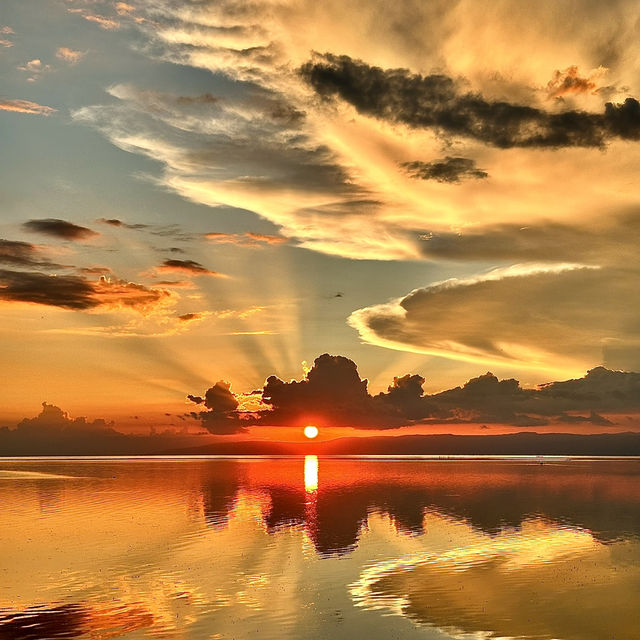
[204, 190]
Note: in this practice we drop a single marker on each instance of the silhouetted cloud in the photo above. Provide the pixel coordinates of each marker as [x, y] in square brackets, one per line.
[59, 229]
[449, 169]
[332, 393]
[186, 266]
[221, 417]
[441, 103]
[52, 419]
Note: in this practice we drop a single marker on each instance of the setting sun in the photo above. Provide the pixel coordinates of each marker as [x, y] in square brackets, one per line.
[310, 431]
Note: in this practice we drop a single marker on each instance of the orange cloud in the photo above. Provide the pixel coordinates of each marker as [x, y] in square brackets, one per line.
[77, 292]
[123, 9]
[248, 239]
[69, 55]
[26, 106]
[569, 81]
[104, 22]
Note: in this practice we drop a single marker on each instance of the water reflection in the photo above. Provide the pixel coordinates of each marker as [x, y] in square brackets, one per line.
[234, 547]
[310, 474]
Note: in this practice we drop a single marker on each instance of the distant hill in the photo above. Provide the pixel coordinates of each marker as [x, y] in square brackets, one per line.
[616, 444]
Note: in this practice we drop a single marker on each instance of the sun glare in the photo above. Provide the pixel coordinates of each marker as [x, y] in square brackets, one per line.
[310, 431]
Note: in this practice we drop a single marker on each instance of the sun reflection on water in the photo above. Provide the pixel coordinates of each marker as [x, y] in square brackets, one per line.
[310, 473]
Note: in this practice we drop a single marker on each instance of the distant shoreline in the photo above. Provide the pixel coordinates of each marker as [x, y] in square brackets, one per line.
[520, 444]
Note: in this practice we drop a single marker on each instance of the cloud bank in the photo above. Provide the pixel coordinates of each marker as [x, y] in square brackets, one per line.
[333, 394]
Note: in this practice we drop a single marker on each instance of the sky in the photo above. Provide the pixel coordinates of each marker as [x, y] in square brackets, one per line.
[195, 191]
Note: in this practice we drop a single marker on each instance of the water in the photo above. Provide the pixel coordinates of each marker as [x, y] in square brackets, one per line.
[307, 548]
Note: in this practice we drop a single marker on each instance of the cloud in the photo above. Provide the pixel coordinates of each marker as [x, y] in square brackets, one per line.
[59, 229]
[77, 292]
[115, 222]
[248, 239]
[23, 254]
[333, 394]
[6, 31]
[606, 240]
[449, 169]
[441, 103]
[570, 82]
[555, 317]
[221, 417]
[95, 271]
[123, 8]
[330, 177]
[104, 22]
[53, 420]
[186, 266]
[36, 68]
[234, 151]
[71, 56]
[193, 317]
[26, 106]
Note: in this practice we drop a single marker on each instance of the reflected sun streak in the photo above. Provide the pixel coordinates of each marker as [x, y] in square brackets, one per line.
[310, 473]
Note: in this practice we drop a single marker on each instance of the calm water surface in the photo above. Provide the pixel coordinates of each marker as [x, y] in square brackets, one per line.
[307, 548]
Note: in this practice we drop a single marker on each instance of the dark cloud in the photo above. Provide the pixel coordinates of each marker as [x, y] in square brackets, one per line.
[59, 229]
[17, 253]
[443, 104]
[221, 417]
[53, 419]
[332, 393]
[449, 169]
[115, 222]
[600, 390]
[23, 254]
[190, 317]
[67, 292]
[186, 266]
[76, 292]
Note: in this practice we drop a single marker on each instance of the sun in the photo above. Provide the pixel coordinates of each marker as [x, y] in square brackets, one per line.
[310, 431]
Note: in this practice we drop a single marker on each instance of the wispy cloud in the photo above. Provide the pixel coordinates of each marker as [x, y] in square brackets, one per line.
[26, 106]
[248, 239]
[190, 267]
